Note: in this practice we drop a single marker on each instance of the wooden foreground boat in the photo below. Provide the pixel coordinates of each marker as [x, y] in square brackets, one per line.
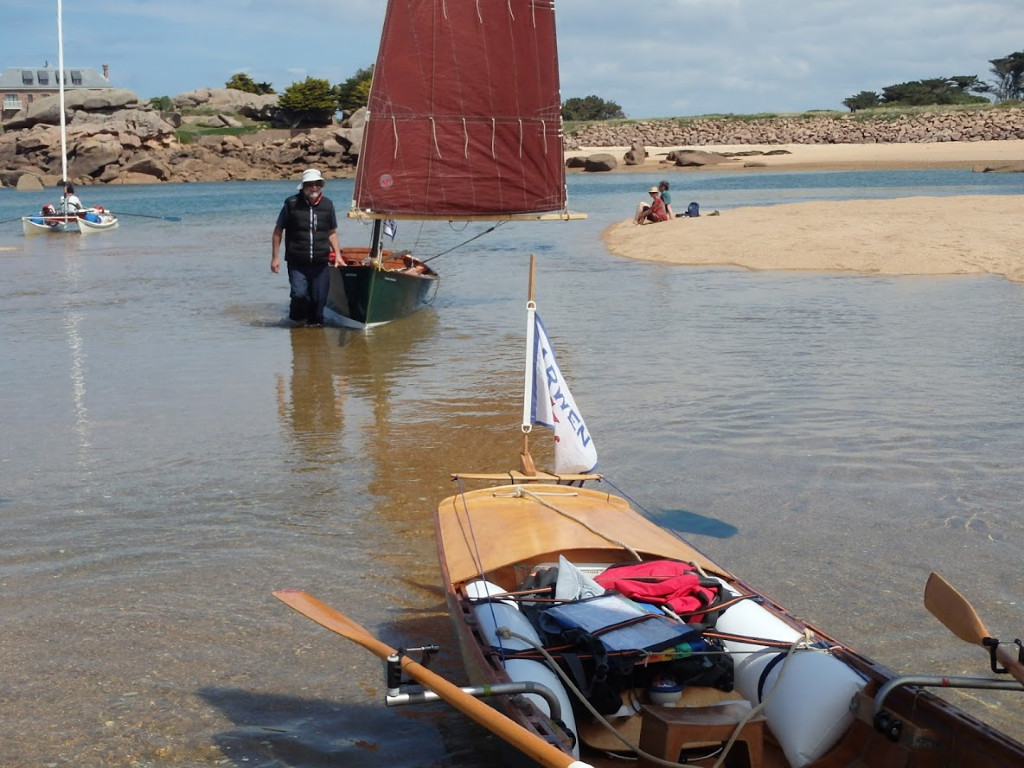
[521, 563]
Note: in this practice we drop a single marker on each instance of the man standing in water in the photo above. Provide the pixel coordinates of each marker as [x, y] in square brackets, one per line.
[310, 229]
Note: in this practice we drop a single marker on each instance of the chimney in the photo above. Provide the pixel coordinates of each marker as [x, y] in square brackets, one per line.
[106, 72]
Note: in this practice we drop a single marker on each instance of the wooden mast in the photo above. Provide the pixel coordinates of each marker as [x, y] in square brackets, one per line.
[526, 465]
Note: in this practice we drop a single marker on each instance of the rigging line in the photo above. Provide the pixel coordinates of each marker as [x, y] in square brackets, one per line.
[478, 562]
[511, 13]
[494, 129]
[394, 128]
[544, 133]
[464, 242]
[520, 137]
[433, 133]
[472, 535]
[520, 491]
[465, 139]
[479, 17]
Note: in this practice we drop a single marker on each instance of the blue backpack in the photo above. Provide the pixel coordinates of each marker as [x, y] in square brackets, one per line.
[693, 209]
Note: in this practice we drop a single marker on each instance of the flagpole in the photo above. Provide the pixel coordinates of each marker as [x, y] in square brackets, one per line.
[525, 459]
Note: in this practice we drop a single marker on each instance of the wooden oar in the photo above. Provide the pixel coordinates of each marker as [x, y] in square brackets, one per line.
[959, 616]
[146, 216]
[519, 737]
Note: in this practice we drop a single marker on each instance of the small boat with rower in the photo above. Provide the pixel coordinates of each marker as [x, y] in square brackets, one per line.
[85, 222]
[69, 217]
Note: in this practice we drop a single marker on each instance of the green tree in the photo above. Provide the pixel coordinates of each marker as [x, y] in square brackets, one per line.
[1009, 72]
[311, 102]
[591, 108]
[242, 82]
[863, 100]
[162, 103]
[355, 92]
[938, 90]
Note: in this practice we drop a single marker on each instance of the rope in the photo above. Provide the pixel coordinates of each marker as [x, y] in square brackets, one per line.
[464, 242]
[433, 134]
[635, 748]
[521, 491]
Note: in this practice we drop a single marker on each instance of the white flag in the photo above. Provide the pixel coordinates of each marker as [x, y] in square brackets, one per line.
[552, 406]
[390, 228]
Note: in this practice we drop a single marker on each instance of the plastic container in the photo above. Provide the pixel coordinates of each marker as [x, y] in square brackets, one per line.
[665, 692]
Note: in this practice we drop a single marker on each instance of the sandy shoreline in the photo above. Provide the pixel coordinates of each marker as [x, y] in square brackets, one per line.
[949, 154]
[966, 235]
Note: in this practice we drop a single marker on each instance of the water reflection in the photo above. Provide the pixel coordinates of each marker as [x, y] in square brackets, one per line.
[311, 401]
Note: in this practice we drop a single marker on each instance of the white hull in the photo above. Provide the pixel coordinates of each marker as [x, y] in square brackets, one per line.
[50, 225]
[39, 225]
[89, 227]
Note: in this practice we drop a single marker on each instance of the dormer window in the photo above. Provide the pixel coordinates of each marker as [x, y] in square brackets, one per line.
[43, 77]
[26, 77]
[76, 77]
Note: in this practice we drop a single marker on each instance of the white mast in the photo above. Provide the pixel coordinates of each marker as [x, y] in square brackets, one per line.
[60, 82]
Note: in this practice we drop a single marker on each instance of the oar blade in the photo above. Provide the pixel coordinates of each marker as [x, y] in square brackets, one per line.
[953, 610]
[519, 737]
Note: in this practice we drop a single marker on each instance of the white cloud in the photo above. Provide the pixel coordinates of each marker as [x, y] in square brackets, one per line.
[676, 57]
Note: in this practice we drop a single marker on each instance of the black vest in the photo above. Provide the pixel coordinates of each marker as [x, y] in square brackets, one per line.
[305, 229]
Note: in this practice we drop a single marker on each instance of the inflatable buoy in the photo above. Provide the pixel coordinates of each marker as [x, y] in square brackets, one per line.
[492, 615]
[809, 707]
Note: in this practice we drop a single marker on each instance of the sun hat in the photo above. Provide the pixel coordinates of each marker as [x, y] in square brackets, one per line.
[310, 174]
[653, 190]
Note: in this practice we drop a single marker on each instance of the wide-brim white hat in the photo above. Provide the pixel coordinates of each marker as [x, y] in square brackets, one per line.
[310, 174]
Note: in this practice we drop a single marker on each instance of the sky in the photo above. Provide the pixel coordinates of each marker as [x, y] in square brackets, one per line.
[669, 58]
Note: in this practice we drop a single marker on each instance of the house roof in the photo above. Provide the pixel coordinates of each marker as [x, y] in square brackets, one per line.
[45, 78]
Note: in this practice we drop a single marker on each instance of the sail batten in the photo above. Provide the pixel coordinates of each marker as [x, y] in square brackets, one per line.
[464, 115]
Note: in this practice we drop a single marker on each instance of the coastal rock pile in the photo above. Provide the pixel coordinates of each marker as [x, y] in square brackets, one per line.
[114, 139]
[968, 125]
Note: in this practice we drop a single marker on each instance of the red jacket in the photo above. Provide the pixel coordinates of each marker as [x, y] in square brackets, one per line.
[662, 582]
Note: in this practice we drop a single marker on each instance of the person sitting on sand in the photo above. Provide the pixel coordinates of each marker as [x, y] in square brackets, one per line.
[666, 198]
[653, 212]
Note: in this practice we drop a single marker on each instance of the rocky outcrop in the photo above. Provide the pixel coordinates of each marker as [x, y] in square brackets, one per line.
[966, 125]
[113, 139]
[228, 100]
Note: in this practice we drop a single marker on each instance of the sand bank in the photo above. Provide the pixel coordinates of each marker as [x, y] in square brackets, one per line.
[950, 154]
[967, 235]
[964, 235]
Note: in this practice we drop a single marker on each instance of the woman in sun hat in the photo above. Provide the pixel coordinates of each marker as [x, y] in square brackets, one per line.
[309, 226]
[654, 211]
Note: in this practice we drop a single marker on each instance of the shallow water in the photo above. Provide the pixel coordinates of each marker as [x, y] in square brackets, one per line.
[172, 452]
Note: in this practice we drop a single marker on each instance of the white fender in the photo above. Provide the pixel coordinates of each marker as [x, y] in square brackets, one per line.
[492, 615]
[521, 670]
[810, 706]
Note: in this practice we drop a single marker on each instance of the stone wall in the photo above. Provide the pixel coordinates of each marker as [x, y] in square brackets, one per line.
[973, 125]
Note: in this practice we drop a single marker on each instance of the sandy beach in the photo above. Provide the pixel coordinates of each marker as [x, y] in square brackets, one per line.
[965, 235]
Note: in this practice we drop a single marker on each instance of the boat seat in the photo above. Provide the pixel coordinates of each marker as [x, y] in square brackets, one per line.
[665, 731]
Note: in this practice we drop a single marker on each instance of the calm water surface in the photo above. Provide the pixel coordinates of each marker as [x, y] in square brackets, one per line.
[172, 451]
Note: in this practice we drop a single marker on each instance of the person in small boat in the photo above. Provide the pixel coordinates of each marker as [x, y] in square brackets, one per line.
[666, 198]
[308, 225]
[652, 212]
[70, 202]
